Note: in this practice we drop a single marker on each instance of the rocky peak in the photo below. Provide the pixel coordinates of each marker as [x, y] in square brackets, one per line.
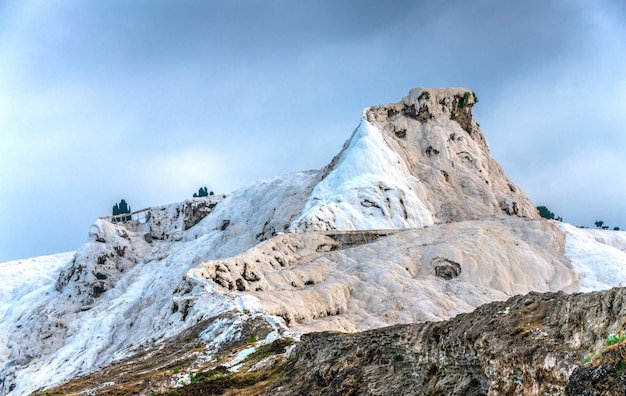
[446, 103]
[442, 145]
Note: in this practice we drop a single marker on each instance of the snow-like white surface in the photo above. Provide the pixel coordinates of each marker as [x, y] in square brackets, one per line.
[370, 187]
[598, 256]
[24, 282]
[50, 335]
[22, 277]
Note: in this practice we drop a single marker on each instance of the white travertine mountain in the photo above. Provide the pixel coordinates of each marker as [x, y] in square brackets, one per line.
[412, 221]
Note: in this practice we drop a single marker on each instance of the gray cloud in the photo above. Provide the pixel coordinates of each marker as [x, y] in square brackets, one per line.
[148, 100]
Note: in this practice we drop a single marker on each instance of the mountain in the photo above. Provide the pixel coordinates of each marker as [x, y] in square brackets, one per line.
[412, 222]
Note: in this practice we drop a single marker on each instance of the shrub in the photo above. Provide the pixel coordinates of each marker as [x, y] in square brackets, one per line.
[475, 97]
[614, 339]
[194, 377]
[464, 100]
[425, 95]
[591, 358]
[202, 192]
[453, 116]
[545, 212]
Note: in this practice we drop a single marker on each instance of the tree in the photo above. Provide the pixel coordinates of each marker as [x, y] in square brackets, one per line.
[545, 212]
[599, 223]
[202, 192]
[121, 208]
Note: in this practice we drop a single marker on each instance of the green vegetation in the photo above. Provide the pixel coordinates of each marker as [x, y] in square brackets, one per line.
[464, 100]
[614, 339]
[475, 97]
[620, 369]
[591, 358]
[425, 95]
[202, 192]
[121, 208]
[213, 377]
[266, 350]
[600, 224]
[547, 214]
[453, 115]
[195, 377]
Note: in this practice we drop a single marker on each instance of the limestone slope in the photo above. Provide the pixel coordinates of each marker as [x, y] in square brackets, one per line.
[321, 281]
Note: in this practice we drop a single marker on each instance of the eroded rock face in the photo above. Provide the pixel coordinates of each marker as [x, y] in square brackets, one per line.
[528, 345]
[605, 375]
[97, 266]
[436, 135]
[169, 221]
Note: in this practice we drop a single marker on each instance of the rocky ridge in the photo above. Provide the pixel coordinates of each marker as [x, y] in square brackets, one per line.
[527, 345]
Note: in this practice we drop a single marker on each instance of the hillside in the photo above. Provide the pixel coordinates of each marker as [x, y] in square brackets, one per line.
[412, 222]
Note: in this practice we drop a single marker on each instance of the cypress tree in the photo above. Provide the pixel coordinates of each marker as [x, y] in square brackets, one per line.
[121, 208]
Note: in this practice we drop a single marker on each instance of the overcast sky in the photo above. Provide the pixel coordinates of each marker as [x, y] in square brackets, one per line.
[149, 100]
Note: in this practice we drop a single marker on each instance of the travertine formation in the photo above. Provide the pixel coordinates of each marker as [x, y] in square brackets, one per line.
[412, 222]
[436, 135]
[314, 282]
[412, 164]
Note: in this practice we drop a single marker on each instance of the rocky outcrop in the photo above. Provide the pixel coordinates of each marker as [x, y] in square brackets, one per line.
[169, 221]
[604, 375]
[437, 137]
[99, 264]
[412, 164]
[527, 345]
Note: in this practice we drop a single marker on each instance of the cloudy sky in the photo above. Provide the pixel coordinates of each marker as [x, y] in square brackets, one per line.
[148, 100]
